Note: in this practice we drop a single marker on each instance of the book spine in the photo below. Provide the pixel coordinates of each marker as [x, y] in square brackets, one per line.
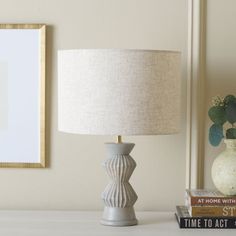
[216, 211]
[207, 223]
[212, 201]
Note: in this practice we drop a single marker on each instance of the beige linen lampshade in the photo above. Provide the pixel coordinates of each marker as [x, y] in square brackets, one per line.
[119, 92]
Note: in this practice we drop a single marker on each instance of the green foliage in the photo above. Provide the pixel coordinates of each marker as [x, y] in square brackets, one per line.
[231, 133]
[215, 134]
[230, 112]
[229, 98]
[223, 112]
[217, 115]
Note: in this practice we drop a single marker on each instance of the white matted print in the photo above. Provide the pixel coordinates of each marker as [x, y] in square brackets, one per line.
[22, 95]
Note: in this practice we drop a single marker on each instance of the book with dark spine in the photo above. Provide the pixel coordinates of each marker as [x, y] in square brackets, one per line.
[187, 222]
[204, 197]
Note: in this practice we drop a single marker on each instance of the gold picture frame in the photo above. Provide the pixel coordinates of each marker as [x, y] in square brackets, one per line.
[39, 160]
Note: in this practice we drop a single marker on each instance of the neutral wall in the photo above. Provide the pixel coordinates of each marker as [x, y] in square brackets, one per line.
[75, 178]
[220, 64]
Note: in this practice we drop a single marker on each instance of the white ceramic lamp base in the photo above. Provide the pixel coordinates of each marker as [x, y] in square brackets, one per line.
[119, 196]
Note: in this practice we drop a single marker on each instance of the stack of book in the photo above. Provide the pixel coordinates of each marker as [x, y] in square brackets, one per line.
[207, 209]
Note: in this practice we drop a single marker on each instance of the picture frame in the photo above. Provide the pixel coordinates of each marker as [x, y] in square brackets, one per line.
[22, 95]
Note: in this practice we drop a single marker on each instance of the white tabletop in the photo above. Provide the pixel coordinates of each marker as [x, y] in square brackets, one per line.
[66, 223]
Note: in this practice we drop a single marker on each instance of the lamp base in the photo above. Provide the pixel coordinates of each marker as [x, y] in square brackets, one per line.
[115, 216]
[119, 196]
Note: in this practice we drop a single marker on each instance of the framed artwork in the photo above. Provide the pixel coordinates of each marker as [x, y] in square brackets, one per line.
[22, 95]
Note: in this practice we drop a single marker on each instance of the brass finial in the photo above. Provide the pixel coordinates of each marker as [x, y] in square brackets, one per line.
[119, 139]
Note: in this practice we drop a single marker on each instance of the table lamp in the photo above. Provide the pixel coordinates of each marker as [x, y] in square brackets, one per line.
[119, 92]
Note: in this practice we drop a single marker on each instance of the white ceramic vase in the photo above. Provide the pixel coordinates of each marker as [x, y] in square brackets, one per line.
[223, 170]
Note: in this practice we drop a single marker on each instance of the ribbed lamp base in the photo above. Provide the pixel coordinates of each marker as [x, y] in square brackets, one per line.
[119, 196]
[115, 216]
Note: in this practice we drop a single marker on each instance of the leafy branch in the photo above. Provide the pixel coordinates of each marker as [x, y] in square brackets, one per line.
[222, 114]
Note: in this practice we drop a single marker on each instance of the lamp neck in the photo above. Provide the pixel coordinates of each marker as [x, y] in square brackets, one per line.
[119, 139]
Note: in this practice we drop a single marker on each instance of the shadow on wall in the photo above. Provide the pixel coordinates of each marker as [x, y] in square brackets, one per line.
[50, 69]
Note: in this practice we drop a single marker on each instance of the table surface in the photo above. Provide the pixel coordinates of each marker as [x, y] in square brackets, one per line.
[87, 223]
